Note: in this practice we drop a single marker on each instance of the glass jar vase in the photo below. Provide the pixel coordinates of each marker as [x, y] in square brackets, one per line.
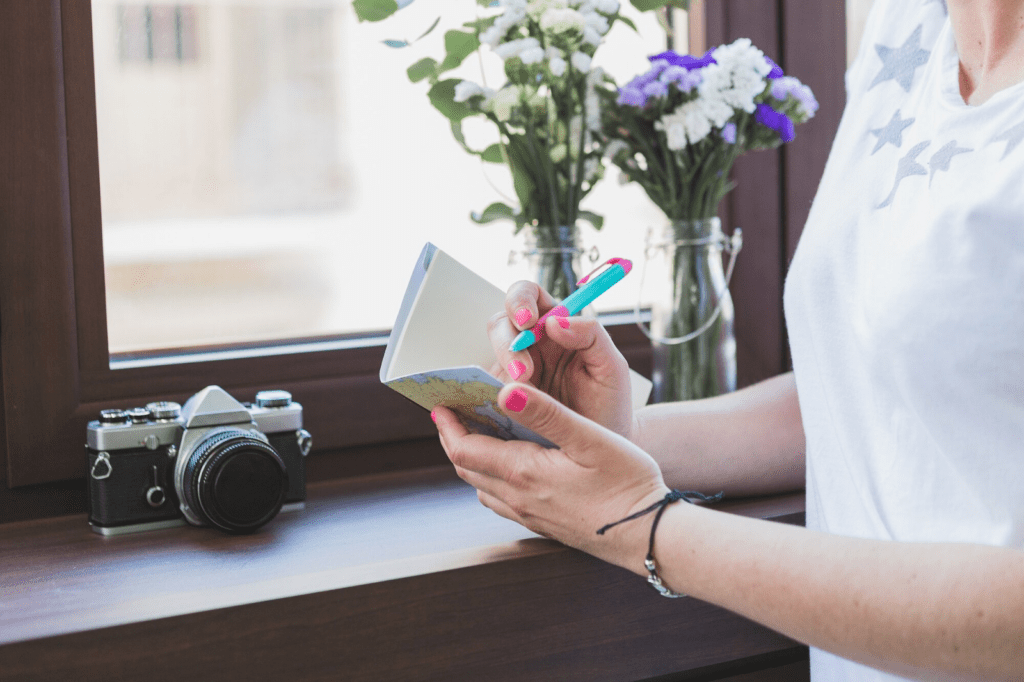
[554, 256]
[691, 330]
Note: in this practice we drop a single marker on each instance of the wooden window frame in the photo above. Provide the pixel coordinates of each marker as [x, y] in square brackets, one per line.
[55, 362]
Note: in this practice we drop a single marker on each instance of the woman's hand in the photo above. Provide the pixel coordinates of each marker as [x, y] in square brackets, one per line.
[576, 362]
[594, 478]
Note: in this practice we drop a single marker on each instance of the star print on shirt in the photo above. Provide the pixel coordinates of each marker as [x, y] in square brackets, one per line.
[1013, 137]
[940, 159]
[892, 132]
[908, 166]
[899, 63]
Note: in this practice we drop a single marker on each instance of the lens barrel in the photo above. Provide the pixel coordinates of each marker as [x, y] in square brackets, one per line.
[235, 481]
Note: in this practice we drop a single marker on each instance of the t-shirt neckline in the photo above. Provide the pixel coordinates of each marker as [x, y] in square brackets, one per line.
[950, 74]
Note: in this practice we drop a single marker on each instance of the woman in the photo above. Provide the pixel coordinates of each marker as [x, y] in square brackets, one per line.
[904, 414]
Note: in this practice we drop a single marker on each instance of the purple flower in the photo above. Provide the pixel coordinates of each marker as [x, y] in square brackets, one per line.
[684, 60]
[631, 96]
[655, 89]
[684, 80]
[776, 71]
[729, 133]
[778, 122]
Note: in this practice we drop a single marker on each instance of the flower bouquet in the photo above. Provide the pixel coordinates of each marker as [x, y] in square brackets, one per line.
[547, 114]
[676, 130]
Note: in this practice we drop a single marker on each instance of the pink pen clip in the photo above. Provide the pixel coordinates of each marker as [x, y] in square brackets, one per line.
[626, 265]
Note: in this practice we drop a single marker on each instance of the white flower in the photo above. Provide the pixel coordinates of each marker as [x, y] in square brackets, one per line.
[738, 77]
[690, 123]
[591, 36]
[581, 62]
[505, 100]
[513, 16]
[607, 6]
[537, 8]
[596, 21]
[532, 55]
[595, 76]
[557, 66]
[515, 48]
[562, 20]
[467, 90]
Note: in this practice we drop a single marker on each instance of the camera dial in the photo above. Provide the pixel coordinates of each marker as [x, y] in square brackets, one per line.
[234, 480]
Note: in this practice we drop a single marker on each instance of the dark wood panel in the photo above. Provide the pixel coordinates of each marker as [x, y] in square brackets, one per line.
[402, 578]
[756, 206]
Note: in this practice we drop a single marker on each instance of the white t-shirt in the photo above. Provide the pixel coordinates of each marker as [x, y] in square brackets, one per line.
[905, 305]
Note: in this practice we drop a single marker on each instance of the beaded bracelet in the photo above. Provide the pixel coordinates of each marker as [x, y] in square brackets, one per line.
[689, 496]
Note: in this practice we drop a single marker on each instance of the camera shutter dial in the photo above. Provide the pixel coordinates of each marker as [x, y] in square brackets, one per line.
[273, 399]
[235, 481]
[114, 417]
[164, 411]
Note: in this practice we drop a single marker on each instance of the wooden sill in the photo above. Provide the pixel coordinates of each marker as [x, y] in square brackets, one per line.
[399, 576]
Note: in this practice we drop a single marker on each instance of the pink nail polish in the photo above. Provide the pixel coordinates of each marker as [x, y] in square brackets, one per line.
[516, 400]
[433, 415]
[563, 322]
[523, 316]
[515, 369]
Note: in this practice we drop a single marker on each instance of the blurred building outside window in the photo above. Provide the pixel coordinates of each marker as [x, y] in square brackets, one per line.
[267, 170]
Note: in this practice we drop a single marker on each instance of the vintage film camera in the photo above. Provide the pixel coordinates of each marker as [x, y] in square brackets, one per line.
[214, 462]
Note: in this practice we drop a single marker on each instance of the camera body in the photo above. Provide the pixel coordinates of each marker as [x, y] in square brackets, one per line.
[214, 462]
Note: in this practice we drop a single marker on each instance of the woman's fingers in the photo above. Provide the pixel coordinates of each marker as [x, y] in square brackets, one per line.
[587, 336]
[525, 302]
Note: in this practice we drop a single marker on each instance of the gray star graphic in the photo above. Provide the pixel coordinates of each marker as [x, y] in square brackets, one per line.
[908, 166]
[1013, 137]
[940, 159]
[892, 132]
[899, 63]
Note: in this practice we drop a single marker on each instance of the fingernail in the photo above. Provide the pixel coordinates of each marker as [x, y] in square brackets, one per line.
[433, 415]
[523, 316]
[563, 322]
[516, 400]
[515, 368]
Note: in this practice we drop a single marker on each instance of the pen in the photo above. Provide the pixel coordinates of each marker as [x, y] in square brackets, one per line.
[576, 301]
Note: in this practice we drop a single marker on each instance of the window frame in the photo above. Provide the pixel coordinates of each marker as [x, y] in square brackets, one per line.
[54, 355]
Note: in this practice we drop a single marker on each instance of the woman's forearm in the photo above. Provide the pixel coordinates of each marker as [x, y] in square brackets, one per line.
[746, 443]
[931, 611]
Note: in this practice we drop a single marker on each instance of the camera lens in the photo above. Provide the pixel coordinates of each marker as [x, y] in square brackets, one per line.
[235, 481]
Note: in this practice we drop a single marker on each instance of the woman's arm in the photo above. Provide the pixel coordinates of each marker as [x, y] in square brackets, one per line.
[748, 442]
[934, 611]
[927, 611]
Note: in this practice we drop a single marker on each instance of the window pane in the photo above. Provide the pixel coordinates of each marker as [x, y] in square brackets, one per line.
[268, 171]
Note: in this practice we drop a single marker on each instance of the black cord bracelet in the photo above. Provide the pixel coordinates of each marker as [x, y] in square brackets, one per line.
[690, 496]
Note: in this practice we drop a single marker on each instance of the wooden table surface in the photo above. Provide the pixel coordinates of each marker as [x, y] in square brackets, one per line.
[57, 577]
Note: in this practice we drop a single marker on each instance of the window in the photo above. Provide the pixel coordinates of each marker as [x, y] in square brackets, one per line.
[54, 342]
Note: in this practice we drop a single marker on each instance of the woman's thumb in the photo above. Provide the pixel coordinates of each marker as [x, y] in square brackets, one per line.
[545, 416]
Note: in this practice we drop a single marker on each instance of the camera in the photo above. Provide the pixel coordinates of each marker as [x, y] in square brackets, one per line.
[214, 462]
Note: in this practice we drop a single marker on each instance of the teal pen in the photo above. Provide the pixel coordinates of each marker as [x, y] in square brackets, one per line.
[576, 301]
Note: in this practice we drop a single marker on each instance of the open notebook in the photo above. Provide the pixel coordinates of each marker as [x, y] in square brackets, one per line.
[439, 348]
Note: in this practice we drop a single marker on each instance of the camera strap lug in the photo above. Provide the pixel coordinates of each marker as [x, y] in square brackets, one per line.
[102, 458]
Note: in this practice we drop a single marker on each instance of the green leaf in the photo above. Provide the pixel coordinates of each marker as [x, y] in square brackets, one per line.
[596, 220]
[458, 45]
[481, 25]
[374, 10]
[628, 22]
[430, 30]
[496, 211]
[424, 68]
[493, 154]
[442, 96]
[648, 5]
